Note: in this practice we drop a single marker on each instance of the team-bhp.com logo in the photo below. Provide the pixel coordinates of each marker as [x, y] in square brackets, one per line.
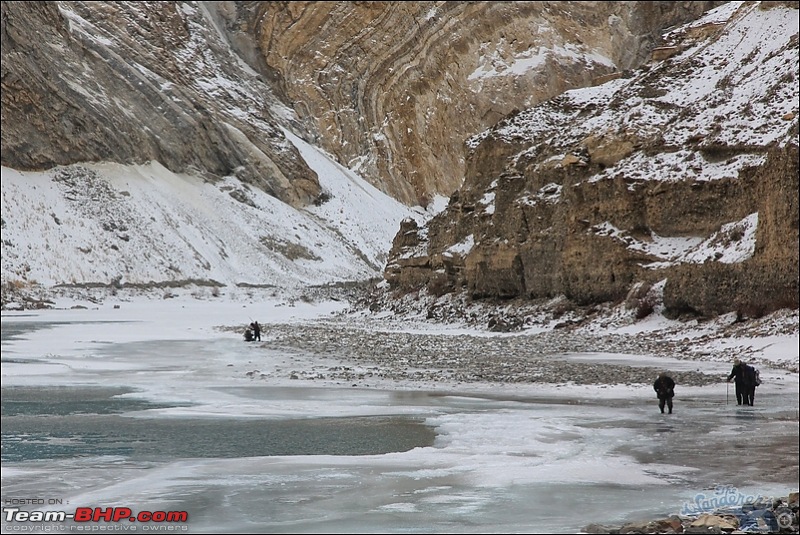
[95, 514]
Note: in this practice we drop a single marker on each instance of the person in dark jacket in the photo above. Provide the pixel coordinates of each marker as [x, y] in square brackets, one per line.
[738, 375]
[665, 390]
[256, 331]
[749, 384]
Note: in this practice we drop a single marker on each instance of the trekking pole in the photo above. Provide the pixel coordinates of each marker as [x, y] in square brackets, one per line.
[727, 385]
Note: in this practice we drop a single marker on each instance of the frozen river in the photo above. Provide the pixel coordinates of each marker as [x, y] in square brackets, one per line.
[131, 414]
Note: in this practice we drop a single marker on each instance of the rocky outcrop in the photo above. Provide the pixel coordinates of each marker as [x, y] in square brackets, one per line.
[681, 176]
[769, 279]
[132, 82]
[394, 88]
[759, 513]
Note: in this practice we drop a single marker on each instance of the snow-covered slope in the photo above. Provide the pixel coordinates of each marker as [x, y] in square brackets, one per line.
[738, 90]
[115, 224]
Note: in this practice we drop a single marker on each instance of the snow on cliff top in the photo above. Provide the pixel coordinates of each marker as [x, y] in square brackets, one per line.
[731, 82]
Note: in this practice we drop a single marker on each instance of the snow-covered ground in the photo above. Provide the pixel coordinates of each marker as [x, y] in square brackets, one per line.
[115, 224]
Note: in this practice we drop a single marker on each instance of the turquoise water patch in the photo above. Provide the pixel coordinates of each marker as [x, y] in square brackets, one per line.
[53, 423]
[62, 401]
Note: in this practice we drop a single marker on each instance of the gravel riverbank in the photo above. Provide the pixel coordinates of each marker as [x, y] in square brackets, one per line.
[404, 356]
[449, 340]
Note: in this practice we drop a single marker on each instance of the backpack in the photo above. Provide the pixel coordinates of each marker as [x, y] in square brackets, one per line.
[753, 375]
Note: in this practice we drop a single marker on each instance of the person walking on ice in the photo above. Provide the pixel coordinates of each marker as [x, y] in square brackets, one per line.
[665, 390]
[739, 374]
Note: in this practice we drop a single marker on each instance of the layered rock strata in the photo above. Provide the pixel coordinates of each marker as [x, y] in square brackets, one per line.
[393, 89]
[677, 182]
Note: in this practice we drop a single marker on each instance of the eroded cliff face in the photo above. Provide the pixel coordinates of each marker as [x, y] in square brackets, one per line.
[394, 88]
[132, 82]
[677, 182]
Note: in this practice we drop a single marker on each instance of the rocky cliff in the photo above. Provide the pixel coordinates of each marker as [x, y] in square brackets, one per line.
[642, 183]
[392, 89]
[133, 82]
[676, 181]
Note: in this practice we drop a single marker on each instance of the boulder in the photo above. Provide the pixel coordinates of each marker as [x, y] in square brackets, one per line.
[709, 520]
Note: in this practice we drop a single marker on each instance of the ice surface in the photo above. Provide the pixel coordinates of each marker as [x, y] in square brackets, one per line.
[532, 458]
